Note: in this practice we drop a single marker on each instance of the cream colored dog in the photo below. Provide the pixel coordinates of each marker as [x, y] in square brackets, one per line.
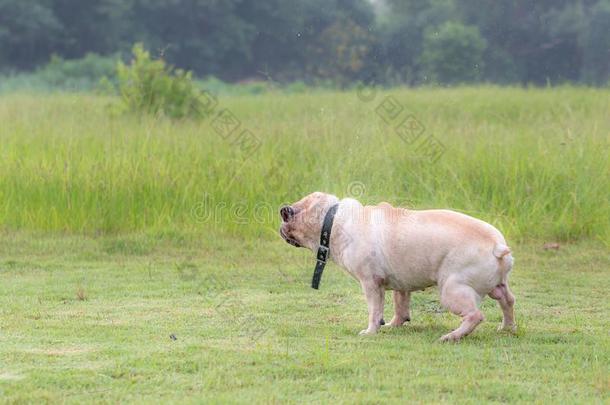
[387, 248]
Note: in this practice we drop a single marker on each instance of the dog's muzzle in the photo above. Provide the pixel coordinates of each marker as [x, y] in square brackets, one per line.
[291, 241]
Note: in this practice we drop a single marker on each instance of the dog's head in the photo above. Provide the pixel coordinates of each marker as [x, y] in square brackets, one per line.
[302, 221]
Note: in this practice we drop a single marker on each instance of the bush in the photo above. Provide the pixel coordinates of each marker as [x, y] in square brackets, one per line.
[150, 86]
[77, 74]
[82, 74]
[217, 86]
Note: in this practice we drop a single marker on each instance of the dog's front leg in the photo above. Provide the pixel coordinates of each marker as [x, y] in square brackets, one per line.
[402, 301]
[374, 298]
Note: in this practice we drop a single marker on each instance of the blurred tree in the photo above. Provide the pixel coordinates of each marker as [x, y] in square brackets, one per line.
[401, 35]
[453, 53]
[288, 30]
[28, 32]
[206, 36]
[527, 41]
[534, 41]
[340, 52]
[596, 45]
[99, 26]
[561, 55]
[235, 39]
[277, 40]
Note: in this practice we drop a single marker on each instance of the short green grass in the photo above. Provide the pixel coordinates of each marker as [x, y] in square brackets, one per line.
[90, 319]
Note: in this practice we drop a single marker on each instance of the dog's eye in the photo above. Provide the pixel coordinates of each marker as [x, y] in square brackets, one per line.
[286, 213]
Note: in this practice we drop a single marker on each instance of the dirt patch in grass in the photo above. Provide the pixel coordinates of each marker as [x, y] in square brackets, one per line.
[61, 351]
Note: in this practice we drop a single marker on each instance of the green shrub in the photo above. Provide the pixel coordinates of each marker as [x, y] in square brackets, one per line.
[298, 86]
[150, 86]
[82, 74]
[217, 86]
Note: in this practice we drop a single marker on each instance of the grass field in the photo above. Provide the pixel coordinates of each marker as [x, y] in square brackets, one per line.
[533, 162]
[91, 319]
[140, 260]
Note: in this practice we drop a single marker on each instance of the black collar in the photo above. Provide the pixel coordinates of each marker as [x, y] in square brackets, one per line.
[324, 249]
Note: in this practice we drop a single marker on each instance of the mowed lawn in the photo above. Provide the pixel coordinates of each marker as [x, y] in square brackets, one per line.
[233, 320]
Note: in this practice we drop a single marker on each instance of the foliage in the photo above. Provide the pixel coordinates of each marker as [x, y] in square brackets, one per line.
[94, 26]
[27, 32]
[547, 41]
[83, 74]
[538, 41]
[453, 53]
[340, 52]
[197, 35]
[401, 32]
[150, 86]
[595, 38]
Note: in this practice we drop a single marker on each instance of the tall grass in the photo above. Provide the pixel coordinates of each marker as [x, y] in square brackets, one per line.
[534, 162]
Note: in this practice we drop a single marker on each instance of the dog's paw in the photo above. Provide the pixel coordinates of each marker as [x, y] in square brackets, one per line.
[367, 332]
[507, 328]
[395, 322]
[450, 337]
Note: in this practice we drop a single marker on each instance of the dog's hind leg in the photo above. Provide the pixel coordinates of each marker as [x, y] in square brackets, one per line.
[506, 299]
[502, 293]
[461, 300]
[402, 301]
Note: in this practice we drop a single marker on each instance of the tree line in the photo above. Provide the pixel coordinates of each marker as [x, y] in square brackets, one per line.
[339, 41]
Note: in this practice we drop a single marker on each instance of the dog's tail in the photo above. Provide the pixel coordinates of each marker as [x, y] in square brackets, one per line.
[501, 250]
[504, 256]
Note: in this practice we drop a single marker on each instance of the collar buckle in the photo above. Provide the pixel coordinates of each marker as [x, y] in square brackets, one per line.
[323, 254]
